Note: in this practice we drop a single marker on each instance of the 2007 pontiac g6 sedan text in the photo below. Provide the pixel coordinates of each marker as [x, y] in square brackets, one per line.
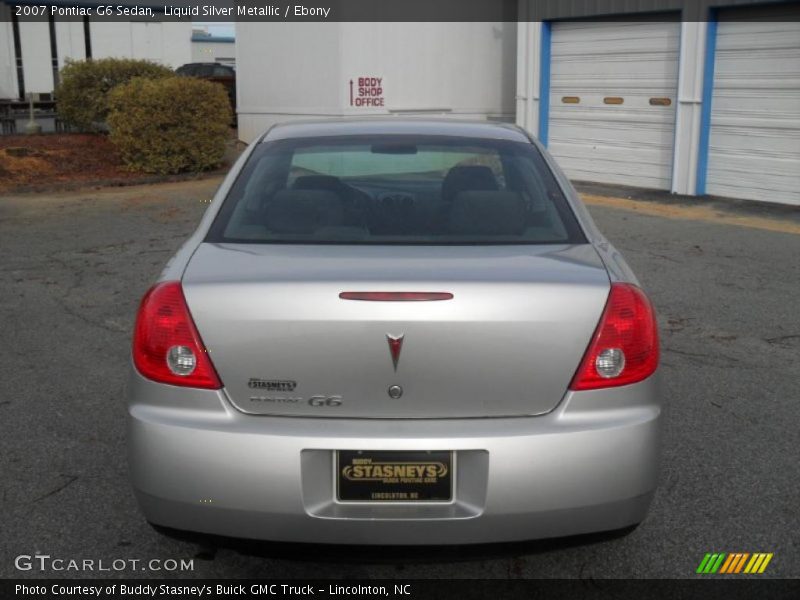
[395, 331]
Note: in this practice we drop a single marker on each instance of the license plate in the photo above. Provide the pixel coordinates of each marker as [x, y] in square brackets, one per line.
[389, 476]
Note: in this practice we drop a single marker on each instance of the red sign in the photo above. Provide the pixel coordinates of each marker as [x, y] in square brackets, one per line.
[366, 91]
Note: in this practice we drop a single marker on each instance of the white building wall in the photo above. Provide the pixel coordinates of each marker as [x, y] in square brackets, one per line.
[177, 44]
[8, 78]
[282, 75]
[464, 69]
[36, 62]
[690, 100]
[168, 43]
[529, 39]
[221, 52]
[70, 42]
[296, 70]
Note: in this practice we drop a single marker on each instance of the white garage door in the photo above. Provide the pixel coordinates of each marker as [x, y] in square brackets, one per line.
[754, 147]
[613, 90]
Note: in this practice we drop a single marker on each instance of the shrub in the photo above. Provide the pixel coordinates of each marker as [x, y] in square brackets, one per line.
[169, 125]
[82, 93]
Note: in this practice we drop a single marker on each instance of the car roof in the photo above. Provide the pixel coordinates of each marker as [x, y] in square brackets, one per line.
[345, 126]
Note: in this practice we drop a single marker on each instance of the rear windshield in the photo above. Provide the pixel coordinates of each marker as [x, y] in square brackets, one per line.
[396, 190]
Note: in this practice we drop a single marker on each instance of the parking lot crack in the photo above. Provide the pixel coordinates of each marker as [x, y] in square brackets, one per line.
[779, 340]
[687, 353]
[70, 480]
[665, 257]
[78, 281]
[717, 359]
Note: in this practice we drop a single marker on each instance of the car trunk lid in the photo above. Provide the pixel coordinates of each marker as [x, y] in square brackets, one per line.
[284, 343]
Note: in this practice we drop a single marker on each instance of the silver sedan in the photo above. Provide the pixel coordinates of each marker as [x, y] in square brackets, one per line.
[394, 331]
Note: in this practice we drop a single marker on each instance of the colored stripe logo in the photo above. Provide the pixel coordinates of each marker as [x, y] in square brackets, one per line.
[734, 563]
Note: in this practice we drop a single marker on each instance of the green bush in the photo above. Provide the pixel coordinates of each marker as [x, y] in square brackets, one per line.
[169, 125]
[82, 92]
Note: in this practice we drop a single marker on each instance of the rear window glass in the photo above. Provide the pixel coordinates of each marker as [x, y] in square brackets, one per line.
[222, 72]
[396, 190]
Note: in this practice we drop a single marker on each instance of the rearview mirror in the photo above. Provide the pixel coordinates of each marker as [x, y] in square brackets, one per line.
[395, 148]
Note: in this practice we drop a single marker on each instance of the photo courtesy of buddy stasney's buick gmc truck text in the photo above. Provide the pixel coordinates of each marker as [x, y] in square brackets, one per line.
[208, 591]
[395, 331]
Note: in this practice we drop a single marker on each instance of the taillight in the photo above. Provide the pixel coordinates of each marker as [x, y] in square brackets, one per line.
[166, 345]
[624, 348]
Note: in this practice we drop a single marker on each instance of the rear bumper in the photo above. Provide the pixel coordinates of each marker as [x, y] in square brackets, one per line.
[200, 465]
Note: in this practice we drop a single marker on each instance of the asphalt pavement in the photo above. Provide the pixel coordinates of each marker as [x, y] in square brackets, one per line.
[727, 292]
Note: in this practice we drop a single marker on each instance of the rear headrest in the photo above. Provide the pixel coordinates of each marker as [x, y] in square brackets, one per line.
[303, 211]
[487, 213]
[467, 178]
[317, 182]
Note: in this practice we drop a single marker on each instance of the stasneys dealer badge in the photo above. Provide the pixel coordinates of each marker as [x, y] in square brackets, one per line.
[394, 476]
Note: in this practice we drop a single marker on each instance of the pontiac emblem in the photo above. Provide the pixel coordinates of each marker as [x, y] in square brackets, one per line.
[395, 346]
